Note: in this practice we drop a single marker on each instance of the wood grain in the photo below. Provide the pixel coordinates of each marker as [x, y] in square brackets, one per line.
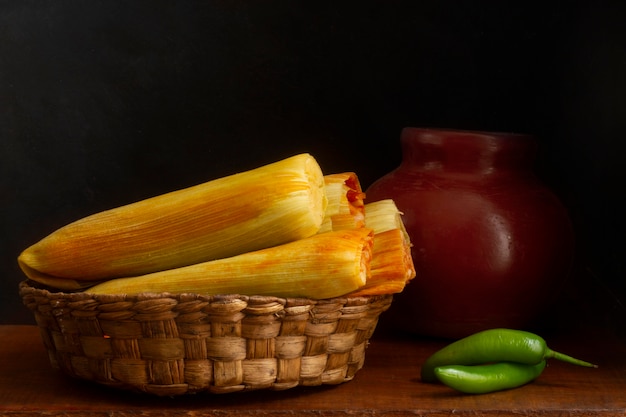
[388, 385]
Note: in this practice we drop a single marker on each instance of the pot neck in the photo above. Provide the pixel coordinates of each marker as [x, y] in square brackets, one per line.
[467, 152]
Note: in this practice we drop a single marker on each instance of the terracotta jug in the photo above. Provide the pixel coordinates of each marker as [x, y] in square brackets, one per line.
[491, 243]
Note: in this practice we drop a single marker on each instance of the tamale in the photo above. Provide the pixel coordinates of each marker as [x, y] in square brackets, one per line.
[391, 267]
[325, 265]
[345, 209]
[263, 207]
[392, 264]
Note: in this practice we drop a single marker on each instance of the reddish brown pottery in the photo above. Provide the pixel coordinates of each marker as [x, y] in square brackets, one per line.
[491, 243]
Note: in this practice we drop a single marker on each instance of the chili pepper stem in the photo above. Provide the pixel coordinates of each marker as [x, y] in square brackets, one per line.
[566, 358]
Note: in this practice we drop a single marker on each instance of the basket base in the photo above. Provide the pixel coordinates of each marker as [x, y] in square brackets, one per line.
[174, 344]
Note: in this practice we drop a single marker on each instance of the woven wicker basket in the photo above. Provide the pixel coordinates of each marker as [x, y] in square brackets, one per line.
[172, 344]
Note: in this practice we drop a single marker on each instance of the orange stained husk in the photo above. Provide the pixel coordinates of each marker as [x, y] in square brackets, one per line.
[392, 264]
[325, 265]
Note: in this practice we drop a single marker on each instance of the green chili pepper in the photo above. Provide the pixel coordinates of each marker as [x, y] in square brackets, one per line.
[481, 379]
[495, 345]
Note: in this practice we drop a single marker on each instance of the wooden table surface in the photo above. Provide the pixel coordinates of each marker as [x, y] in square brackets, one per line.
[388, 385]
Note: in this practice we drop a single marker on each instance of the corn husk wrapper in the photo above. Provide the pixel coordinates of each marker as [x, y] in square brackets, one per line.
[264, 207]
[392, 264]
[322, 266]
[346, 208]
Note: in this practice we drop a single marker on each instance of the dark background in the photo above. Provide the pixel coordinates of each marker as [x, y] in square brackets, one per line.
[108, 102]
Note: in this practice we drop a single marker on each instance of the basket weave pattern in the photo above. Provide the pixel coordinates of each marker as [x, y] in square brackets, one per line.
[172, 344]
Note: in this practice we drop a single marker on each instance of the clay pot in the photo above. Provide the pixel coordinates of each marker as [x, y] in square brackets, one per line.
[491, 244]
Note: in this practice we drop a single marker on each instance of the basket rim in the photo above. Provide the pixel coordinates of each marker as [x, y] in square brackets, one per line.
[29, 286]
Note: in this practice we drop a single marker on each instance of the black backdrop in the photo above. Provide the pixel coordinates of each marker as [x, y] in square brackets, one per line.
[107, 102]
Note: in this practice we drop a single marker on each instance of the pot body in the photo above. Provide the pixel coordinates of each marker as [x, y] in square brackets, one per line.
[491, 243]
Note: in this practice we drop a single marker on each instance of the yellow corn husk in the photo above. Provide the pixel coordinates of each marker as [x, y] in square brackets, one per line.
[264, 207]
[322, 266]
[392, 264]
[384, 215]
[345, 209]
